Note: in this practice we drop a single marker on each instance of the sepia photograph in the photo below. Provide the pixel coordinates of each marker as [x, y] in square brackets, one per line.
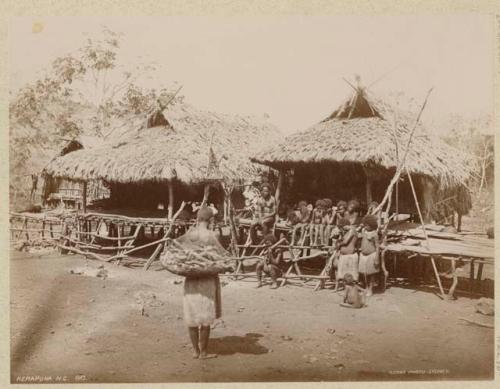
[205, 199]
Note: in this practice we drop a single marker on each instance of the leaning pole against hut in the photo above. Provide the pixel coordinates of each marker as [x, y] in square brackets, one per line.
[360, 143]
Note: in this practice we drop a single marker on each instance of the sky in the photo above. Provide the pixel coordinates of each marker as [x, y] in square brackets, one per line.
[290, 68]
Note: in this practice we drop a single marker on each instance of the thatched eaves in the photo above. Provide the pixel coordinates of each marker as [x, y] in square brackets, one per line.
[179, 150]
[361, 131]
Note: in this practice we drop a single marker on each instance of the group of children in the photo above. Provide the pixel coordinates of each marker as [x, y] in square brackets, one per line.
[354, 240]
[319, 225]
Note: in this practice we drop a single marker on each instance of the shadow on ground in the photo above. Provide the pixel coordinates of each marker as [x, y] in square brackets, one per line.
[229, 345]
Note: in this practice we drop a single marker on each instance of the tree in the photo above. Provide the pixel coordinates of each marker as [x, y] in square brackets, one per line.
[81, 93]
[472, 137]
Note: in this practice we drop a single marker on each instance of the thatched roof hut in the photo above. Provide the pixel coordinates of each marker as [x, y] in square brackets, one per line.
[177, 149]
[359, 144]
[181, 147]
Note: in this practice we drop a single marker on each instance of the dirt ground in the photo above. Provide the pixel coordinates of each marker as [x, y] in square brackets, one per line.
[84, 328]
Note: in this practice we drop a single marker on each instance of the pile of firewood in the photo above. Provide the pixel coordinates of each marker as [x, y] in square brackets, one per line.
[194, 261]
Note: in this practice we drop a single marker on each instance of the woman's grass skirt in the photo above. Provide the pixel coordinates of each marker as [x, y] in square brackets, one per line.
[202, 301]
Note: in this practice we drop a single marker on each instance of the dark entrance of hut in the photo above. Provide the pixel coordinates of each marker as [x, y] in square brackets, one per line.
[347, 181]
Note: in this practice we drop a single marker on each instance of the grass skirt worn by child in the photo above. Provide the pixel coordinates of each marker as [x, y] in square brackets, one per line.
[369, 264]
[348, 263]
[202, 301]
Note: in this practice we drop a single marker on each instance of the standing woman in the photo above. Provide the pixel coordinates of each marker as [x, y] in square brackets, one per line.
[202, 295]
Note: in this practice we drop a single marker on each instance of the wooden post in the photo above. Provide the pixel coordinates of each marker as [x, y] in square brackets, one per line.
[206, 192]
[455, 280]
[459, 222]
[84, 197]
[471, 277]
[277, 194]
[170, 200]
[479, 276]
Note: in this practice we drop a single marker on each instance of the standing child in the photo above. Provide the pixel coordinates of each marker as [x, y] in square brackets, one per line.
[348, 257]
[369, 262]
[270, 264]
[354, 296]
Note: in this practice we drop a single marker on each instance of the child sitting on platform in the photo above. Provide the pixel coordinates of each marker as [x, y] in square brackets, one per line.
[300, 229]
[317, 228]
[328, 220]
[340, 211]
[304, 212]
[369, 262]
[354, 296]
[270, 264]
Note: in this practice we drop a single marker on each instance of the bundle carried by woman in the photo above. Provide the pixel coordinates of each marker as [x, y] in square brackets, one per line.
[190, 259]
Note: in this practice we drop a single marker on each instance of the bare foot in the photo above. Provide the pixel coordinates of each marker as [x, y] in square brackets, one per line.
[274, 285]
[196, 355]
[259, 285]
[207, 356]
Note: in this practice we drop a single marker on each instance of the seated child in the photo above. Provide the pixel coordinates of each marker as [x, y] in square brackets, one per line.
[317, 227]
[354, 296]
[348, 257]
[292, 221]
[352, 212]
[270, 264]
[304, 215]
[340, 211]
[372, 207]
[292, 218]
[369, 262]
[304, 212]
[328, 219]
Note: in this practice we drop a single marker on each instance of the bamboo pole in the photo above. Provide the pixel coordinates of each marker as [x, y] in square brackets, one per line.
[228, 190]
[206, 192]
[425, 232]
[152, 257]
[277, 194]
[170, 199]
[402, 163]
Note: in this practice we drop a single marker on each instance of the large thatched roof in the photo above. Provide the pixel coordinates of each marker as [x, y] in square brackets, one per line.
[362, 131]
[176, 149]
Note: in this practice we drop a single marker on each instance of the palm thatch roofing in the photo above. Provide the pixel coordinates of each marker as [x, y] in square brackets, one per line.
[362, 130]
[183, 146]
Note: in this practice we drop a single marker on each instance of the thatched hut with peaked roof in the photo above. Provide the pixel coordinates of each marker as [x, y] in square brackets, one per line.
[178, 148]
[354, 152]
[63, 189]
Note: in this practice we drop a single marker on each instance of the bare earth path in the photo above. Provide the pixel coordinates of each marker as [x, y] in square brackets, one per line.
[85, 328]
